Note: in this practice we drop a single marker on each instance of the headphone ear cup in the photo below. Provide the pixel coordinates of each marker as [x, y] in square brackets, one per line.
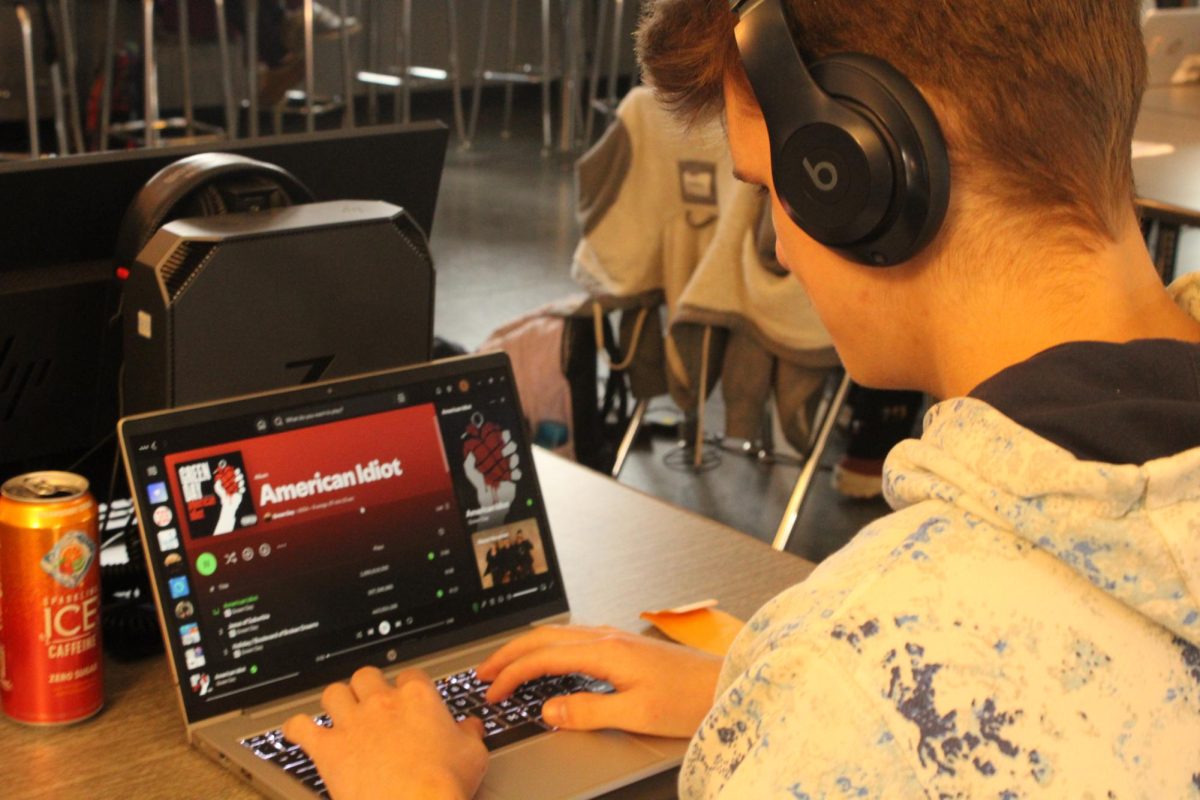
[190, 187]
[918, 183]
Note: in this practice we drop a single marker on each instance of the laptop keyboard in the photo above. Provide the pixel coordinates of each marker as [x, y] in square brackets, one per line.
[511, 720]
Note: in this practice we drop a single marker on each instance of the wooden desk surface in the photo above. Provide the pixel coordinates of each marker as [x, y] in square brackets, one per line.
[622, 552]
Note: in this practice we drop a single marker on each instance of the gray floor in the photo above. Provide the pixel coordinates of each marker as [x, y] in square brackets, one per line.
[503, 238]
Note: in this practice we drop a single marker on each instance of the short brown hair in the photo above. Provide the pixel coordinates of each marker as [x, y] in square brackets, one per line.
[1050, 85]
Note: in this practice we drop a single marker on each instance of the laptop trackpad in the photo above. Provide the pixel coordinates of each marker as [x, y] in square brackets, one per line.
[571, 764]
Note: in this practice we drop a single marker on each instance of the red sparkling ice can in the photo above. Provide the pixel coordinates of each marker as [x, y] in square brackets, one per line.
[50, 656]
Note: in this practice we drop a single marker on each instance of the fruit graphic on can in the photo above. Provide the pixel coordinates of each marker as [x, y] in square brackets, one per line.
[50, 656]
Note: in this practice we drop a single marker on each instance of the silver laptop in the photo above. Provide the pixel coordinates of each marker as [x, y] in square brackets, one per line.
[1172, 38]
[392, 519]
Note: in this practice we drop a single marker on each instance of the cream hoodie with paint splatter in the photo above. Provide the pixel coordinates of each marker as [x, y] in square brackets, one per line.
[1026, 623]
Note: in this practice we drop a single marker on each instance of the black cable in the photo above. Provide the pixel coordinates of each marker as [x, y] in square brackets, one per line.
[126, 579]
[130, 629]
[108, 498]
[95, 448]
[133, 544]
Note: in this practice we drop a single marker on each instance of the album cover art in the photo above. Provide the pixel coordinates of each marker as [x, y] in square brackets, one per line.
[216, 495]
[509, 554]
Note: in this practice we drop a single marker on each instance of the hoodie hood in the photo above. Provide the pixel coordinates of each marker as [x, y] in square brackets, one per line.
[1132, 530]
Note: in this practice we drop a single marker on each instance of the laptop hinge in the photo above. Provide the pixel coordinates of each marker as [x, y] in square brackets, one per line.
[204, 723]
[275, 706]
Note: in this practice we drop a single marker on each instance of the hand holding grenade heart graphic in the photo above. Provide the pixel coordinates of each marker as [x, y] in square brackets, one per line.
[491, 462]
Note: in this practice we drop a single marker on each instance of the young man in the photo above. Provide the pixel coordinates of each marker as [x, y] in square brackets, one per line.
[1027, 621]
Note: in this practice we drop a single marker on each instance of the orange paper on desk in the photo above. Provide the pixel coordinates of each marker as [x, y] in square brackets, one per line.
[701, 625]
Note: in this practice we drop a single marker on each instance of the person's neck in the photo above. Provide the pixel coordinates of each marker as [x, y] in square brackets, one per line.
[1037, 301]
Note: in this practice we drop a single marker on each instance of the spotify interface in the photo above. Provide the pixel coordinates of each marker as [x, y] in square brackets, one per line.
[319, 538]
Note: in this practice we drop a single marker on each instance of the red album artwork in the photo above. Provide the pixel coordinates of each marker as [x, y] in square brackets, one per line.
[492, 465]
[216, 496]
[483, 449]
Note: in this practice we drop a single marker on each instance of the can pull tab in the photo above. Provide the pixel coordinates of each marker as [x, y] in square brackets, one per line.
[46, 490]
[42, 487]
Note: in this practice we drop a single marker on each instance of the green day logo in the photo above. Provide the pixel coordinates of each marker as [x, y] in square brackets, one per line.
[68, 561]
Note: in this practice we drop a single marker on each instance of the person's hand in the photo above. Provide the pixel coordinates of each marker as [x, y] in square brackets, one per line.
[662, 689]
[229, 483]
[391, 741]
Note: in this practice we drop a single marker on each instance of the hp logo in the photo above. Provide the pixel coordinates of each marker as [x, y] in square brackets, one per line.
[824, 175]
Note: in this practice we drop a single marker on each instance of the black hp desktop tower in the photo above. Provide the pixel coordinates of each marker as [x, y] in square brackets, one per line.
[238, 303]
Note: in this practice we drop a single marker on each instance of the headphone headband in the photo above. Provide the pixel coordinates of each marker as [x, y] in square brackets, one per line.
[857, 157]
[772, 61]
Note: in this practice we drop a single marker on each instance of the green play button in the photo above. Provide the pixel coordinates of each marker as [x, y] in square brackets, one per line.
[206, 564]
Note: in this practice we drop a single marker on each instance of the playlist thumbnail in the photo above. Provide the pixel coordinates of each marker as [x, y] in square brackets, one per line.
[509, 554]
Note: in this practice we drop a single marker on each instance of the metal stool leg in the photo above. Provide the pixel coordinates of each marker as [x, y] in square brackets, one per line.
[506, 124]
[455, 82]
[110, 54]
[371, 29]
[403, 74]
[405, 50]
[788, 524]
[594, 75]
[614, 57]
[153, 126]
[150, 68]
[609, 105]
[480, 60]
[631, 432]
[251, 12]
[573, 38]
[702, 391]
[23, 21]
[70, 64]
[398, 54]
[347, 73]
[547, 123]
[54, 67]
[310, 74]
[397, 46]
[185, 65]
[231, 113]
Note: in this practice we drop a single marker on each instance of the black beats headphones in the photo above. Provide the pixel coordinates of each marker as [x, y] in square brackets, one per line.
[204, 185]
[857, 157]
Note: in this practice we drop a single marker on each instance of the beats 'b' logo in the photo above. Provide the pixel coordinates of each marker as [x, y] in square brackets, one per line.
[824, 175]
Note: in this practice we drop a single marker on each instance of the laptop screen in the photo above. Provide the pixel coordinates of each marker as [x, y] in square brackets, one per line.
[299, 535]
